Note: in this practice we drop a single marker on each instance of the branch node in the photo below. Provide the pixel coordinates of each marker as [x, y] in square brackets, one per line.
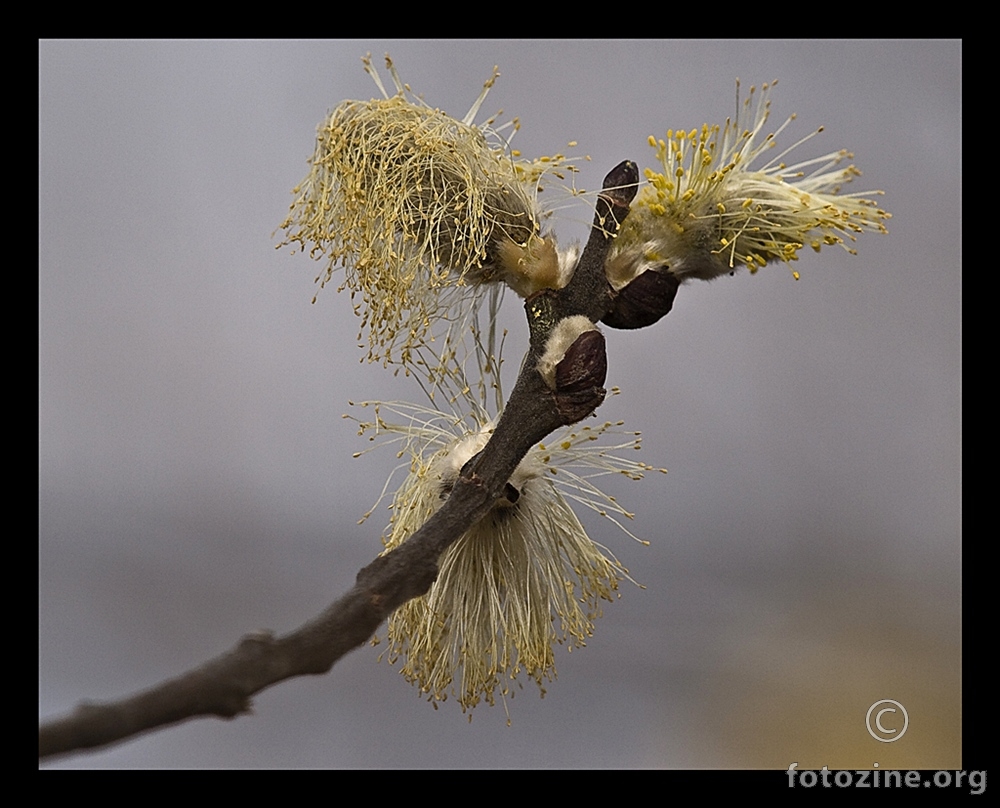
[257, 640]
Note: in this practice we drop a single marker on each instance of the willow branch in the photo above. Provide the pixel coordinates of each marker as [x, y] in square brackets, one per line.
[223, 686]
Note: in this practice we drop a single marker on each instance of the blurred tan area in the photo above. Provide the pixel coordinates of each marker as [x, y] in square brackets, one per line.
[799, 690]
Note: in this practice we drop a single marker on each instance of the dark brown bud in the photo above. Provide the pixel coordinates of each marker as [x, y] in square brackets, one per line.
[585, 365]
[643, 301]
[622, 183]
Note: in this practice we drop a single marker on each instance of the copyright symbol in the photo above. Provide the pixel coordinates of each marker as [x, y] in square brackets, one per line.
[884, 720]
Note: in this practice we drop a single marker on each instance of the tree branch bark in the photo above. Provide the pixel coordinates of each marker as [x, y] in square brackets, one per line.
[223, 686]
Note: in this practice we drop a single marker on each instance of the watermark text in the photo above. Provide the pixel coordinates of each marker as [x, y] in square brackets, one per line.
[974, 781]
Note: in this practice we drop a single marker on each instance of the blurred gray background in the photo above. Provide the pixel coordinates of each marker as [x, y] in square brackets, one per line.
[195, 475]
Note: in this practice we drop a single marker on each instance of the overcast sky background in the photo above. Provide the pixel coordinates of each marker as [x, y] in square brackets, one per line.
[195, 475]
